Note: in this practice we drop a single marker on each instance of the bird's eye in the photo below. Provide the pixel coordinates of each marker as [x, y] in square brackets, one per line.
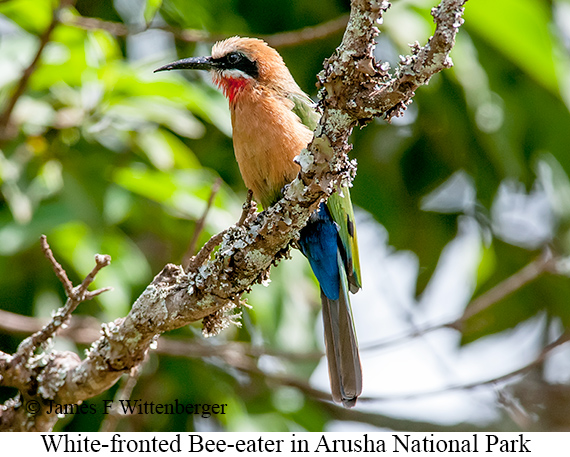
[234, 58]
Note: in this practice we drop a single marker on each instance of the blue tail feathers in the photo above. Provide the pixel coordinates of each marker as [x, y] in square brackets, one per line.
[319, 243]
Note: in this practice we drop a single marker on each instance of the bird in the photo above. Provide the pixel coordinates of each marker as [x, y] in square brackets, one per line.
[272, 121]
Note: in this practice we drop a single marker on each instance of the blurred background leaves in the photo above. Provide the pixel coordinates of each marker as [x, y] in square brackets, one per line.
[455, 197]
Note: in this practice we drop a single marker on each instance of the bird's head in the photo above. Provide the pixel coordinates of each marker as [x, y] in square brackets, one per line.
[239, 63]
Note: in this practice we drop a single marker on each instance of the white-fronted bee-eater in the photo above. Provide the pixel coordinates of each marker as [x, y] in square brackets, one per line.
[272, 121]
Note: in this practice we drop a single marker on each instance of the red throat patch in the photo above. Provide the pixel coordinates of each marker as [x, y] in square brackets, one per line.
[230, 86]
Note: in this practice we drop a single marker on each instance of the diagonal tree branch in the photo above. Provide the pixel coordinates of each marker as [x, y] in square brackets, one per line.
[278, 40]
[304, 35]
[546, 263]
[201, 223]
[26, 75]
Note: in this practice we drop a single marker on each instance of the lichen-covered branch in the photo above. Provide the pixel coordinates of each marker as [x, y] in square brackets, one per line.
[354, 88]
[75, 296]
[377, 92]
[36, 371]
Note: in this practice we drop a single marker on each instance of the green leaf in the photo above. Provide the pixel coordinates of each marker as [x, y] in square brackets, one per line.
[151, 8]
[183, 193]
[165, 150]
[520, 30]
[487, 265]
[33, 16]
[142, 110]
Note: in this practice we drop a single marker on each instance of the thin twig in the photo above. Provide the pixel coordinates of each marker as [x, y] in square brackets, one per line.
[515, 411]
[101, 261]
[543, 264]
[201, 223]
[91, 23]
[75, 295]
[16, 323]
[82, 329]
[564, 338]
[57, 268]
[91, 294]
[123, 393]
[196, 349]
[307, 34]
[289, 38]
[119, 29]
[23, 83]
[530, 272]
[205, 252]
[167, 302]
[249, 208]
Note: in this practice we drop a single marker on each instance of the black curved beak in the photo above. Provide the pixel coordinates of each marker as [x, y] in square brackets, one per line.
[191, 63]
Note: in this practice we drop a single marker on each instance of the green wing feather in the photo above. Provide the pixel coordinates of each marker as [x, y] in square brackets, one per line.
[304, 107]
[340, 208]
[339, 203]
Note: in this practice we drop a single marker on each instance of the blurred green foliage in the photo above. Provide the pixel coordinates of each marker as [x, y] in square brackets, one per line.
[103, 156]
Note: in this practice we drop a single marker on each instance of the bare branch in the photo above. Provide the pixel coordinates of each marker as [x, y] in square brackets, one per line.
[196, 261]
[57, 268]
[546, 263]
[379, 93]
[21, 368]
[307, 34]
[91, 294]
[123, 393]
[563, 339]
[16, 323]
[83, 329]
[249, 209]
[26, 75]
[61, 317]
[200, 224]
[101, 261]
[86, 330]
[91, 23]
[119, 29]
[289, 38]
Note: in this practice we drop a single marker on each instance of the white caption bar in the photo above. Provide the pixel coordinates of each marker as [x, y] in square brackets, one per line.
[233, 444]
